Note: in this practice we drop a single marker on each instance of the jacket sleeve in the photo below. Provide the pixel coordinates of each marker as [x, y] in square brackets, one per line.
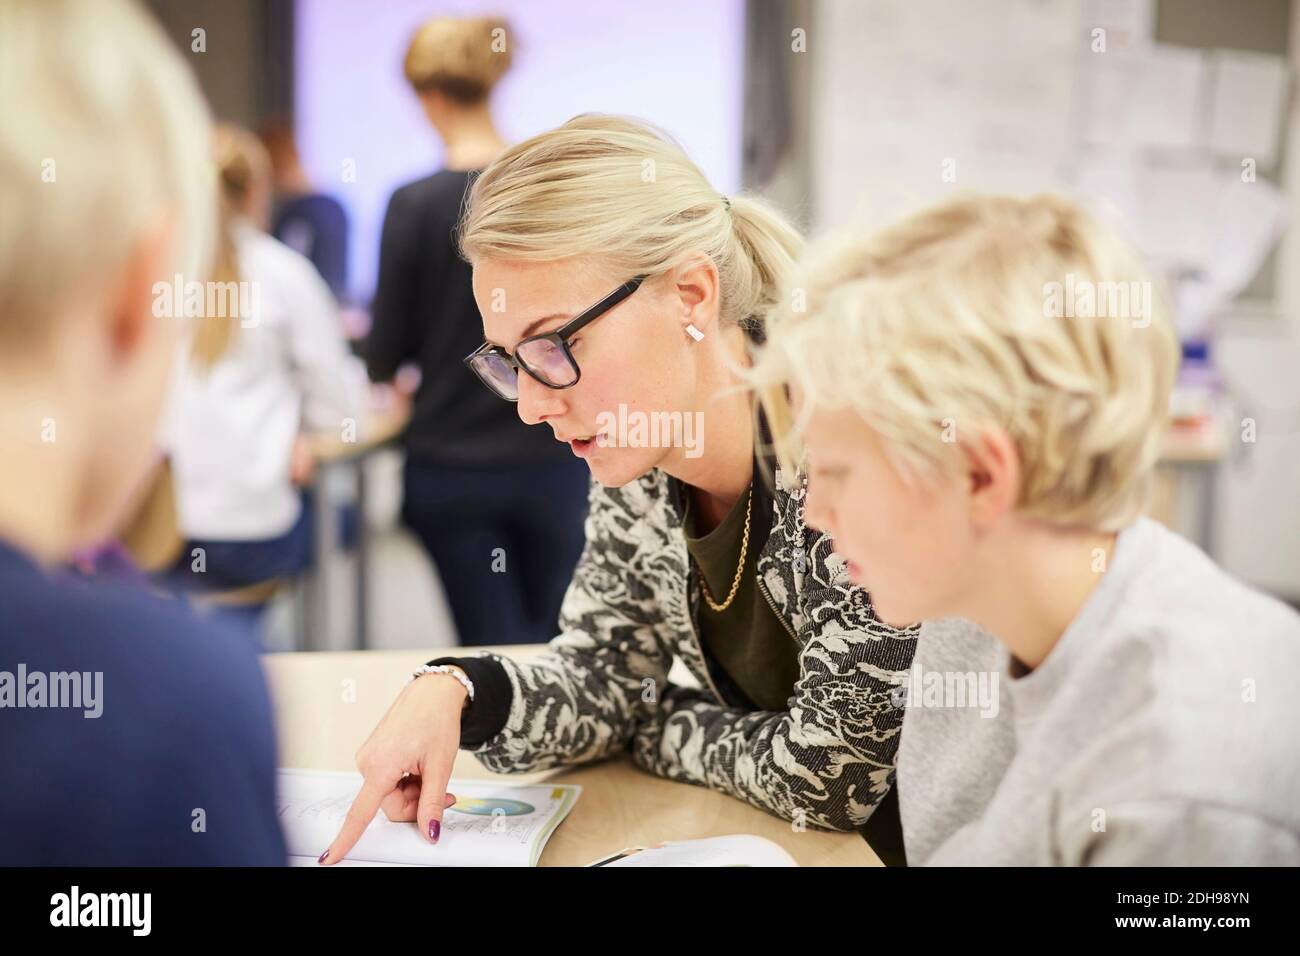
[829, 759]
[581, 699]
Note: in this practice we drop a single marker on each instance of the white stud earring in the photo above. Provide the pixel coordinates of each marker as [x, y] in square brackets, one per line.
[694, 333]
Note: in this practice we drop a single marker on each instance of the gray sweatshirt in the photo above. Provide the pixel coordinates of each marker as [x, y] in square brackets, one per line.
[1162, 729]
[953, 752]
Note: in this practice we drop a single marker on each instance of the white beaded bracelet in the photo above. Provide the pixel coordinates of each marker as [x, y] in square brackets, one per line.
[445, 669]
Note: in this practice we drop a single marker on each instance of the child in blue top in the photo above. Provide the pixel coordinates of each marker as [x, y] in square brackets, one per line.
[130, 731]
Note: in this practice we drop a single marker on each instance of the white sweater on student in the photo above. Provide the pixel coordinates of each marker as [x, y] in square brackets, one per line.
[1162, 729]
[230, 430]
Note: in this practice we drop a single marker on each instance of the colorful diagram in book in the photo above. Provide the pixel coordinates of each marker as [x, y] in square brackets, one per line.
[491, 806]
[491, 824]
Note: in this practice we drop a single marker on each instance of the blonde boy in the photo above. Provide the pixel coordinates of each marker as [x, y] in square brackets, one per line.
[981, 393]
[130, 731]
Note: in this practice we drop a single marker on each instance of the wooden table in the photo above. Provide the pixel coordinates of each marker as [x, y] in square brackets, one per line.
[328, 703]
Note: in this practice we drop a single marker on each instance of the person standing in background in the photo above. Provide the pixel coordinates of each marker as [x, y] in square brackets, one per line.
[303, 218]
[269, 364]
[498, 506]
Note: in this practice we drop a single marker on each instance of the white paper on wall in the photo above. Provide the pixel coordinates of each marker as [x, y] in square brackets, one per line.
[1205, 229]
[1246, 221]
[1247, 100]
[1129, 24]
[1174, 199]
[1150, 98]
[1107, 183]
[921, 99]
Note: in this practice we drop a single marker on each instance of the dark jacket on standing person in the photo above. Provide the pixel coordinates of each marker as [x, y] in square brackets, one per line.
[424, 312]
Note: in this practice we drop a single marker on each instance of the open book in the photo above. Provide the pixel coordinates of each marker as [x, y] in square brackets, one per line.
[491, 824]
[738, 849]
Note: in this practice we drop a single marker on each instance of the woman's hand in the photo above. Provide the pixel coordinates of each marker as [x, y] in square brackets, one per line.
[407, 762]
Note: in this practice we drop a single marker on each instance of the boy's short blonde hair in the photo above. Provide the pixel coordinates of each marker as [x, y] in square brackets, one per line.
[1019, 313]
[102, 134]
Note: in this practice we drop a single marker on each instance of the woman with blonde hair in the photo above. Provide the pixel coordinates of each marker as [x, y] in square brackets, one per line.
[620, 296]
[497, 506]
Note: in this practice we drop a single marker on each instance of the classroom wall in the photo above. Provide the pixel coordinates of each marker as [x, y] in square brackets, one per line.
[898, 87]
[245, 66]
[571, 57]
[905, 93]
[1259, 501]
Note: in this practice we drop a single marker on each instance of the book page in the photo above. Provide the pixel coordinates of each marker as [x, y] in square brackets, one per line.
[491, 824]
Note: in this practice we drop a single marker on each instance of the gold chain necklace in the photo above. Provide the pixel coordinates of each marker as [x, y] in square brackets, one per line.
[744, 550]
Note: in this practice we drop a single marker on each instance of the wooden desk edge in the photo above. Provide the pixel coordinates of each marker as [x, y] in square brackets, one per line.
[825, 847]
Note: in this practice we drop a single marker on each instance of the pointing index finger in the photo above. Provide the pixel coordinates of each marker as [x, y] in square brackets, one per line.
[362, 811]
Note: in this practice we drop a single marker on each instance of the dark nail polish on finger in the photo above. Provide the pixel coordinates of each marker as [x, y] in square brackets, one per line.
[435, 830]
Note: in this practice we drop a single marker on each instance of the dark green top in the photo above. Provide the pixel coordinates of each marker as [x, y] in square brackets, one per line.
[748, 640]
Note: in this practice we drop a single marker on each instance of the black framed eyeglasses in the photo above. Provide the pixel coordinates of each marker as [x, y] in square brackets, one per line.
[547, 357]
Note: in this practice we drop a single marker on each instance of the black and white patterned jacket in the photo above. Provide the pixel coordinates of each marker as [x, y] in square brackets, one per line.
[602, 685]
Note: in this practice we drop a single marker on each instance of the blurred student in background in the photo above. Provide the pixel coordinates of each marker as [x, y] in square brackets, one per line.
[302, 217]
[144, 735]
[498, 506]
[268, 360]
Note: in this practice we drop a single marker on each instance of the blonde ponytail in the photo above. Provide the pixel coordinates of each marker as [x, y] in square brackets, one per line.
[770, 245]
[243, 173]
